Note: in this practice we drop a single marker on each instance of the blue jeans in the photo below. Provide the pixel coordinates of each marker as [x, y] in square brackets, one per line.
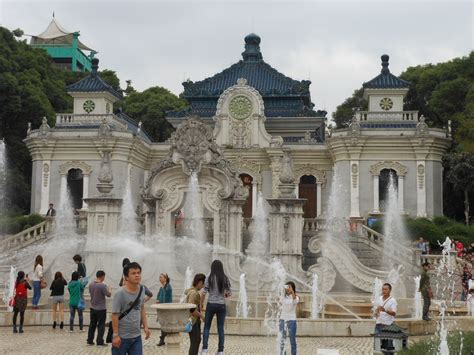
[132, 346]
[36, 292]
[211, 310]
[289, 325]
[72, 315]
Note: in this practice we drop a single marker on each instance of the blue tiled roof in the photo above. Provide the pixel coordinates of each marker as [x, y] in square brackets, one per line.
[93, 83]
[386, 80]
[282, 95]
[388, 125]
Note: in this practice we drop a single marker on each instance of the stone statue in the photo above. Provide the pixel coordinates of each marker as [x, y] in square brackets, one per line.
[28, 131]
[286, 174]
[104, 128]
[105, 173]
[44, 128]
[421, 127]
[354, 127]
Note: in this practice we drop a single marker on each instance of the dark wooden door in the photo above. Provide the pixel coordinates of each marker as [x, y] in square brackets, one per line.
[247, 207]
[307, 190]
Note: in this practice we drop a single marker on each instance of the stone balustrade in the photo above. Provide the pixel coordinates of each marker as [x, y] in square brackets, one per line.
[411, 116]
[26, 237]
[70, 119]
[435, 260]
[312, 224]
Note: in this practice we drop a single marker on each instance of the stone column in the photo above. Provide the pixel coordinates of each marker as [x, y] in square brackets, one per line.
[420, 189]
[401, 192]
[355, 190]
[45, 186]
[254, 197]
[376, 194]
[318, 198]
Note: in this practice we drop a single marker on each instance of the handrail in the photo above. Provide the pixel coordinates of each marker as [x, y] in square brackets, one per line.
[371, 233]
[434, 259]
[26, 237]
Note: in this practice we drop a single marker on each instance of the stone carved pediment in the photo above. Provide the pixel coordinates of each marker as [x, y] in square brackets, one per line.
[388, 164]
[75, 164]
[247, 166]
[193, 147]
[310, 169]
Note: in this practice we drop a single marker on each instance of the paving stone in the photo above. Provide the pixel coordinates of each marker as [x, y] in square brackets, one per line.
[39, 340]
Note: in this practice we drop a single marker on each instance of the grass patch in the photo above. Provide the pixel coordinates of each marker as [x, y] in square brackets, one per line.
[455, 340]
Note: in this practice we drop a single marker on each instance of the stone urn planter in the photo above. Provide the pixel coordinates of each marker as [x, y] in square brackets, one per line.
[172, 318]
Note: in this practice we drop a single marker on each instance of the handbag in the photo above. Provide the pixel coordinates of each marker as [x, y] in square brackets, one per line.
[188, 326]
[81, 305]
[12, 302]
[43, 283]
[110, 330]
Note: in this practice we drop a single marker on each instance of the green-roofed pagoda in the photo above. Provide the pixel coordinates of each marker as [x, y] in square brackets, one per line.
[67, 51]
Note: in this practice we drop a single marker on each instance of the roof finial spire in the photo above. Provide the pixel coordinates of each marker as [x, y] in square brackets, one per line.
[53, 14]
[95, 66]
[385, 69]
[252, 48]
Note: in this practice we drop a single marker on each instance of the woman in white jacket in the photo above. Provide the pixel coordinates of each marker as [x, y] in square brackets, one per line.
[37, 276]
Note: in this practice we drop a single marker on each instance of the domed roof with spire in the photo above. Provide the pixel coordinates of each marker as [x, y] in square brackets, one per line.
[283, 96]
[93, 83]
[386, 80]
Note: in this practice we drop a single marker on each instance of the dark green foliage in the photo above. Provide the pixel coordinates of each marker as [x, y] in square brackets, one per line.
[12, 224]
[149, 106]
[344, 112]
[435, 231]
[455, 339]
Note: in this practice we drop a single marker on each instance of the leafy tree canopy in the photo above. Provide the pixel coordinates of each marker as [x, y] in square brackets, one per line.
[150, 106]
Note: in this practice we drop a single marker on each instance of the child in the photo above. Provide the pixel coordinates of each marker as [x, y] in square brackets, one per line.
[22, 285]
[75, 288]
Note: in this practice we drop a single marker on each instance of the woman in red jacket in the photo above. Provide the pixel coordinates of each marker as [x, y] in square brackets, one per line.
[22, 285]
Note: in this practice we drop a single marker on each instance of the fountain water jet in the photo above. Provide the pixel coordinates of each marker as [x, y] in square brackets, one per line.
[130, 226]
[376, 293]
[315, 306]
[188, 282]
[242, 304]
[418, 309]
[394, 226]
[193, 209]
[9, 289]
[65, 223]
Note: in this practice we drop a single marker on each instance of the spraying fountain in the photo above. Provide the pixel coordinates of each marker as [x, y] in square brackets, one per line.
[242, 304]
[418, 305]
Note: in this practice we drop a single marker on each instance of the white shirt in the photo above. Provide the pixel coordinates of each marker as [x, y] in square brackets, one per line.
[38, 274]
[390, 304]
[288, 307]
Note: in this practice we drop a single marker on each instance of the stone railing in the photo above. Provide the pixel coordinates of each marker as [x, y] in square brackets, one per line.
[435, 260]
[410, 254]
[26, 237]
[411, 116]
[312, 224]
[70, 119]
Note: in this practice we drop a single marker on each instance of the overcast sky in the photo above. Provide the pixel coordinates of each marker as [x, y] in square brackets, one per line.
[337, 45]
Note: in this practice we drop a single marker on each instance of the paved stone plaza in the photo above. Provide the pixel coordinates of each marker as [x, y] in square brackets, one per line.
[44, 340]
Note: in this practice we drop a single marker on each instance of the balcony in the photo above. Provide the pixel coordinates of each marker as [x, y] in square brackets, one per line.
[87, 120]
[392, 116]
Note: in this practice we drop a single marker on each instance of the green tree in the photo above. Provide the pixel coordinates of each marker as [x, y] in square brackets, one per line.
[460, 174]
[344, 112]
[150, 107]
[111, 78]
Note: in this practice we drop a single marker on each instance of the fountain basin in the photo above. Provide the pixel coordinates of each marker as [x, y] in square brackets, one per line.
[173, 316]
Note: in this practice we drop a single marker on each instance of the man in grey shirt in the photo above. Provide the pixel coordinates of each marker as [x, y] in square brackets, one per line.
[98, 291]
[126, 337]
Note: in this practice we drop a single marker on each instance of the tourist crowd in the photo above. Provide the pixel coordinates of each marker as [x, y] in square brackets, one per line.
[128, 311]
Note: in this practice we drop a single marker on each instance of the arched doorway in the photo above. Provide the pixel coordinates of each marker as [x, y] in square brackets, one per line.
[384, 181]
[247, 207]
[307, 189]
[75, 183]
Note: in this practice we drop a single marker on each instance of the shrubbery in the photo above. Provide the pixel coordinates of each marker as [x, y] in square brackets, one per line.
[455, 340]
[435, 231]
[12, 224]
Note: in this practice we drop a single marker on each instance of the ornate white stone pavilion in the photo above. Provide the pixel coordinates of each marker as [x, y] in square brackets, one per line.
[241, 128]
